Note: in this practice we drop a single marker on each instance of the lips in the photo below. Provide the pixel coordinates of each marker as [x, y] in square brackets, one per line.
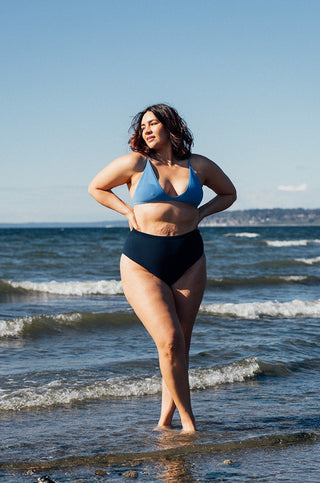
[150, 138]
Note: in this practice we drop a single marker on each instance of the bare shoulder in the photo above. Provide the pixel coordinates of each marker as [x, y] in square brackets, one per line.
[204, 167]
[202, 162]
[211, 175]
[130, 163]
[120, 171]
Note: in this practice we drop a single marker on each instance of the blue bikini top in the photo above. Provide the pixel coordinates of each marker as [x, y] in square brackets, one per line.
[149, 190]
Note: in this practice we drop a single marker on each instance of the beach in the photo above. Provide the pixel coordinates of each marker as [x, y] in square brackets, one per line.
[80, 380]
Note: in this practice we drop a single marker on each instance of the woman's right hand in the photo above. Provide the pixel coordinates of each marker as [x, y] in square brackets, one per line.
[132, 220]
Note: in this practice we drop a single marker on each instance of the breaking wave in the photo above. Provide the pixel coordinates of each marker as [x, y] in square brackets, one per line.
[62, 392]
[99, 287]
[308, 261]
[255, 310]
[290, 243]
[19, 325]
[42, 324]
[263, 280]
[243, 235]
[36, 325]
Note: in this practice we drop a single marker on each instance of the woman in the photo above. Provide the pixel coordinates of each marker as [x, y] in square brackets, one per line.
[163, 268]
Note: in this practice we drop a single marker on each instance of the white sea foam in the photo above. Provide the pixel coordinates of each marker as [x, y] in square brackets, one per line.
[56, 393]
[99, 287]
[286, 243]
[308, 261]
[293, 278]
[255, 310]
[15, 327]
[255, 280]
[290, 243]
[235, 372]
[244, 234]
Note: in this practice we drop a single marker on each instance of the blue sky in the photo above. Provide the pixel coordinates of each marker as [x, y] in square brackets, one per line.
[243, 73]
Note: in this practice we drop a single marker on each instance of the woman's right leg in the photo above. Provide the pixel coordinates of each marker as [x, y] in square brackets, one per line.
[153, 302]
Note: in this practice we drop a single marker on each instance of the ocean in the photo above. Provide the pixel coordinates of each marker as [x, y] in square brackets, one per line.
[80, 380]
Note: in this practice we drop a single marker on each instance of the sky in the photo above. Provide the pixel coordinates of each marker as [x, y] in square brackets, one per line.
[244, 74]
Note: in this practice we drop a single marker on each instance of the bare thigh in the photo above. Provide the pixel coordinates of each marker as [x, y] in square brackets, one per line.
[165, 311]
[188, 292]
[152, 300]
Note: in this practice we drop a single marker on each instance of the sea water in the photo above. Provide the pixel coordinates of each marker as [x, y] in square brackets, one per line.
[80, 382]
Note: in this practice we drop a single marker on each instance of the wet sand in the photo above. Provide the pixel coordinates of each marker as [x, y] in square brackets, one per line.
[285, 457]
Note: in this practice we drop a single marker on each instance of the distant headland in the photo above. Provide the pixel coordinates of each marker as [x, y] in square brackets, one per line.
[265, 217]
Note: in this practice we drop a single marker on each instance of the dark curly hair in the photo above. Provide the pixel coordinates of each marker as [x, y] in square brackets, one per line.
[180, 136]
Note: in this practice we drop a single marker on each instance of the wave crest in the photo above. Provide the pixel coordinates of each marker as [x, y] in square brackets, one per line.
[262, 280]
[243, 234]
[255, 310]
[99, 287]
[308, 261]
[290, 243]
[57, 392]
[36, 325]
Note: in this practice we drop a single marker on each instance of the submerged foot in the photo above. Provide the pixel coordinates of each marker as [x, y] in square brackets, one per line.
[163, 427]
[189, 427]
[190, 430]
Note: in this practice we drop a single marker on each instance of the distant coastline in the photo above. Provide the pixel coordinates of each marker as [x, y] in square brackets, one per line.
[245, 218]
[265, 217]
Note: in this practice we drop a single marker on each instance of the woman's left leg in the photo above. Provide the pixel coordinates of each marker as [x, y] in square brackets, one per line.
[188, 292]
[153, 302]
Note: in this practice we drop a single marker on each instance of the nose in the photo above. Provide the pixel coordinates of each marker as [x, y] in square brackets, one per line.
[148, 129]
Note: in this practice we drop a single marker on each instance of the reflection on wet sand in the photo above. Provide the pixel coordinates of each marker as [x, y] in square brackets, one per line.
[174, 468]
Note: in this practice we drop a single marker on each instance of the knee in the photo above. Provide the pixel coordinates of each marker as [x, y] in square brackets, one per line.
[172, 347]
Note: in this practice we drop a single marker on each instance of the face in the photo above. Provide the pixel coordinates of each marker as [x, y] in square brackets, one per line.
[154, 134]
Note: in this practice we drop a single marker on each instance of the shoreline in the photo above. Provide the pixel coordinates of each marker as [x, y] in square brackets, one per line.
[188, 449]
[291, 455]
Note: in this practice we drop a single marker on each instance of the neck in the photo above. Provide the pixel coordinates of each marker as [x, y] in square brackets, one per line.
[165, 156]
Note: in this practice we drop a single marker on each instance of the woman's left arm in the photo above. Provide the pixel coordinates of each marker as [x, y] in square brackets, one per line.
[217, 181]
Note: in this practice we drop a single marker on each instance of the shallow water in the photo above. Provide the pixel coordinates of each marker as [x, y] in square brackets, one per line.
[80, 382]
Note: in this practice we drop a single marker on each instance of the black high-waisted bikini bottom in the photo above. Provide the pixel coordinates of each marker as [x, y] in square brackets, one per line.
[166, 257]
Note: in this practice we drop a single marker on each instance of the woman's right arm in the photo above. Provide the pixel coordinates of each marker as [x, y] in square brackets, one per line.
[118, 172]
